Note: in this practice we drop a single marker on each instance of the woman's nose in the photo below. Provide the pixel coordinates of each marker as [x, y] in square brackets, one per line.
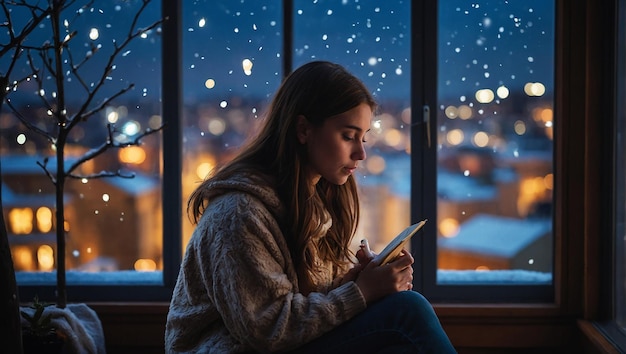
[359, 154]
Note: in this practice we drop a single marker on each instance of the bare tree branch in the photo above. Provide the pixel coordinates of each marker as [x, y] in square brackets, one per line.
[76, 67]
[44, 166]
[85, 116]
[30, 126]
[109, 65]
[38, 14]
[15, 42]
[37, 75]
[14, 60]
[110, 144]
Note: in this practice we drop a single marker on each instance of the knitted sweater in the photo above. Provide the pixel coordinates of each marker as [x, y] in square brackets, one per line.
[237, 289]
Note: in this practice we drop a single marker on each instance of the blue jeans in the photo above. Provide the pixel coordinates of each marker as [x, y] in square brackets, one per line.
[404, 322]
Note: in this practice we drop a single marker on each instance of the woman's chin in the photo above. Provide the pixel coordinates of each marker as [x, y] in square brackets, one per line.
[339, 180]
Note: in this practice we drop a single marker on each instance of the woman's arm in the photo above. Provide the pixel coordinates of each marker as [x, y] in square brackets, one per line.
[250, 278]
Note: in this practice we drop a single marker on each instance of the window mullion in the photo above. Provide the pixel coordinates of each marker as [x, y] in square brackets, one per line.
[172, 139]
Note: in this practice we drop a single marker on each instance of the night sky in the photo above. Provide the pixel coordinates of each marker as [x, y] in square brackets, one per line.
[482, 44]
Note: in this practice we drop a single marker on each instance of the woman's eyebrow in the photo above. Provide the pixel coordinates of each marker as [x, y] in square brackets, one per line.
[349, 126]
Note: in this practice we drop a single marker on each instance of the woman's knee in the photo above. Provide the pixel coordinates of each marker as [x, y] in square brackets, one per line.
[411, 299]
[414, 305]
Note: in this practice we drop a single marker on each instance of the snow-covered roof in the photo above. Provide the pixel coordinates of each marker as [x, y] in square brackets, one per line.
[27, 165]
[12, 199]
[137, 185]
[496, 235]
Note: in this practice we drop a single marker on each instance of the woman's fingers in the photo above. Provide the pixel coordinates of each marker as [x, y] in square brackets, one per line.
[377, 281]
[406, 279]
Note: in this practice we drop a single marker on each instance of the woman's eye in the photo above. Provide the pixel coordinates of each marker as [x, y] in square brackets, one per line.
[347, 137]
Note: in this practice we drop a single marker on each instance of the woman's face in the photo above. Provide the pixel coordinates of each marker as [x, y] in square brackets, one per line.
[335, 148]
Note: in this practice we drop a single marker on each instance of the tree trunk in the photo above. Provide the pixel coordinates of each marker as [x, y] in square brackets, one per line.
[59, 183]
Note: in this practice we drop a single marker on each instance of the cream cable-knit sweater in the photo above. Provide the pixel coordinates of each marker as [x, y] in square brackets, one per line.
[237, 289]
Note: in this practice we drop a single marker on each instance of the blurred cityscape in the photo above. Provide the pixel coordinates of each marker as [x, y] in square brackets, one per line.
[492, 173]
[494, 137]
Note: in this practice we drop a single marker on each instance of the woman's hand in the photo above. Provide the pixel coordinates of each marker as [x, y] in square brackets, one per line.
[376, 281]
[364, 256]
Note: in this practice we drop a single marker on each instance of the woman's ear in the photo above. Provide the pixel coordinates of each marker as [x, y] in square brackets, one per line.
[302, 129]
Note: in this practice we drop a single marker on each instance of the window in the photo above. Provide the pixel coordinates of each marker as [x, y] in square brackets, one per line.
[373, 41]
[112, 224]
[232, 53]
[462, 137]
[494, 120]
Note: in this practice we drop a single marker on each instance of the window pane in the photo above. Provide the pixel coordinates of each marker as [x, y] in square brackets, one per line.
[372, 40]
[112, 223]
[232, 66]
[495, 142]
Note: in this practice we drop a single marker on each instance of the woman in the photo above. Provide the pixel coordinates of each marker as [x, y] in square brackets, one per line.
[268, 267]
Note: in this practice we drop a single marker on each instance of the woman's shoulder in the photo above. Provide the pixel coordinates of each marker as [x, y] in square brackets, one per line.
[243, 181]
[237, 203]
[242, 197]
[238, 216]
[243, 187]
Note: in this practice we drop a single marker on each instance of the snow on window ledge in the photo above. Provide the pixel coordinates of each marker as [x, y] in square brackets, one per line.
[122, 277]
[493, 277]
[130, 277]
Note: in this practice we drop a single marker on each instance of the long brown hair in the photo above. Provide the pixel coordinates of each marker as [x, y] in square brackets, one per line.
[317, 90]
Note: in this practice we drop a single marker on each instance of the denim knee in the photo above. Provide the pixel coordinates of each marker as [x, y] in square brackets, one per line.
[416, 318]
[403, 322]
[414, 302]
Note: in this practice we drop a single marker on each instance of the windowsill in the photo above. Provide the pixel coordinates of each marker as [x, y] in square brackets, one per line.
[599, 336]
[466, 325]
